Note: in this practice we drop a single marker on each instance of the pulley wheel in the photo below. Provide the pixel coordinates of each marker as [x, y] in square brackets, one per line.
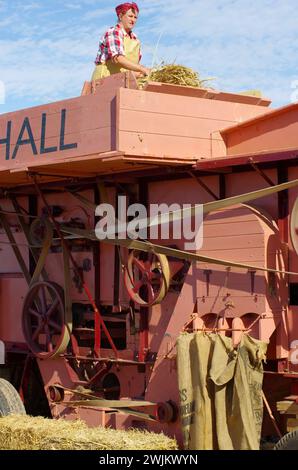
[41, 230]
[43, 320]
[147, 277]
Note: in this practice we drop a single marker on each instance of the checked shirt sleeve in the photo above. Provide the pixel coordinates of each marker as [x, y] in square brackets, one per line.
[115, 43]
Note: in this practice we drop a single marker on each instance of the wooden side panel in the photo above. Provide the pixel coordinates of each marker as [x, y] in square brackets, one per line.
[12, 294]
[207, 93]
[276, 132]
[70, 128]
[13, 286]
[245, 182]
[171, 125]
[238, 234]
[293, 194]
[8, 262]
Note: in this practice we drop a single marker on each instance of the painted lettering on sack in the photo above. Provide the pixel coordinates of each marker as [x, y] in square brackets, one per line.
[26, 137]
[188, 408]
[183, 395]
[187, 413]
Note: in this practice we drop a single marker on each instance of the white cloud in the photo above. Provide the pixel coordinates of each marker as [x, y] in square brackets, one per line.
[47, 48]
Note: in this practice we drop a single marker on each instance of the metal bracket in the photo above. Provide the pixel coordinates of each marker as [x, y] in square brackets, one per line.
[260, 172]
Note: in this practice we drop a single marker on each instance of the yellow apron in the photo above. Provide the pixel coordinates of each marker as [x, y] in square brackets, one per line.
[132, 53]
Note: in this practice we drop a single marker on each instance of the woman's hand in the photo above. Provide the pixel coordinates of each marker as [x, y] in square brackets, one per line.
[145, 71]
[138, 74]
[127, 64]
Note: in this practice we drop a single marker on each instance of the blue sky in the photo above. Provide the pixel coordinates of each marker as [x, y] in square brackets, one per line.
[47, 48]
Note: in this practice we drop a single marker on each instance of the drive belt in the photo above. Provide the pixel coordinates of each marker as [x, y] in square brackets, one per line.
[172, 252]
[204, 208]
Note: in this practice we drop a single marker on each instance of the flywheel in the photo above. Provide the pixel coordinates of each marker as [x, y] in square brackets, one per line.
[43, 320]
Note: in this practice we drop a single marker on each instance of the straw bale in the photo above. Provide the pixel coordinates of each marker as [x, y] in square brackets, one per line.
[28, 433]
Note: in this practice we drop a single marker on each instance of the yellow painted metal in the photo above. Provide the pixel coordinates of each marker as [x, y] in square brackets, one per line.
[41, 233]
[45, 232]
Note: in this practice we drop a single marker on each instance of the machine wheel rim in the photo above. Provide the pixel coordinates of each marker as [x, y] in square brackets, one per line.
[152, 273]
[43, 322]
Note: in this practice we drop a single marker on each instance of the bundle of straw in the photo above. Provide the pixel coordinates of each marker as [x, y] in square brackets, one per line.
[27, 433]
[176, 75]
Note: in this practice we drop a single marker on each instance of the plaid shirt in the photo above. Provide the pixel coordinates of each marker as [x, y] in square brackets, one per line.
[112, 44]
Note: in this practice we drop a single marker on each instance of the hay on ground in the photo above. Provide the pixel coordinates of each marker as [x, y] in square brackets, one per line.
[27, 433]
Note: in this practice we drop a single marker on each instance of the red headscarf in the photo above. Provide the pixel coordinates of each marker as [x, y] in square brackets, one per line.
[124, 7]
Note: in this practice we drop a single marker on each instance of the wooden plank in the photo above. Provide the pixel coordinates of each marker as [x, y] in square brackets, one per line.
[218, 147]
[114, 82]
[287, 407]
[173, 124]
[76, 127]
[234, 215]
[87, 116]
[164, 145]
[277, 132]
[206, 93]
[211, 230]
[187, 106]
[87, 143]
[235, 241]
[244, 254]
[9, 263]
[239, 160]
[87, 89]
[11, 311]
[163, 124]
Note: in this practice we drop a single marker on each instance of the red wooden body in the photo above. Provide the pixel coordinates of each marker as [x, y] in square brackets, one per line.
[155, 143]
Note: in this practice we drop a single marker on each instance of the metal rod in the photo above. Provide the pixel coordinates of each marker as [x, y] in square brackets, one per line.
[203, 185]
[271, 415]
[261, 172]
[26, 230]
[15, 248]
[220, 329]
[107, 359]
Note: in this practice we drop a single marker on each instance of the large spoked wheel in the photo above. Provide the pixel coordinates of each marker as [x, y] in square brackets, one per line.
[147, 277]
[43, 320]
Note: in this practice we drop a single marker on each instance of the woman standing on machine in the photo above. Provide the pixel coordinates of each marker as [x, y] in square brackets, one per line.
[120, 48]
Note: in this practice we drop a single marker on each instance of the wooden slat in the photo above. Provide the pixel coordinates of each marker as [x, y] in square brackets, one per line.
[292, 424]
[287, 407]
[188, 106]
[173, 124]
[277, 131]
[89, 124]
[162, 146]
[184, 126]
[206, 93]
